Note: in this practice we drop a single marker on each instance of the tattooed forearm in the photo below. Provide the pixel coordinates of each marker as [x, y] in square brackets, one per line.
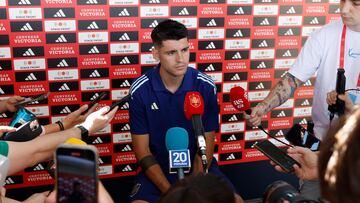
[293, 82]
[281, 92]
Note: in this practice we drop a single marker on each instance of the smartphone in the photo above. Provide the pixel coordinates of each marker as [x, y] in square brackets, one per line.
[300, 136]
[25, 132]
[121, 101]
[28, 100]
[76, 173]
[100, 97]
[276, 155]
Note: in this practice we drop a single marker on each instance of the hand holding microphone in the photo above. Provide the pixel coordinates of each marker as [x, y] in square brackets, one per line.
[240, 102]
[194, 108]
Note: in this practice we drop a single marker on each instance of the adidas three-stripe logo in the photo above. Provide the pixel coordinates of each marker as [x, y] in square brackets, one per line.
[154, 106]
[125, 106]
[97, 141]
[124, 37]
[64, 87]
[231, 138]
[24, 2]
[93, 26]
[66, 110]
[184, 12]
[60, 14]
[233, 118]
[92, 2]
[9, 181]
[26, 27]
[124, 12]
[230, 157]
[30, 77]
[63, 63]
[95, 74]
[210, 68]
[29, 52]
[281, 114]
[39, 167]
[212, 22]
[279, 133]
[61, 39]
[126, 148]
[127, 168]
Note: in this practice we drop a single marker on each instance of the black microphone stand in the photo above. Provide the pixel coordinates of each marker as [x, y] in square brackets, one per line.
[201, 143]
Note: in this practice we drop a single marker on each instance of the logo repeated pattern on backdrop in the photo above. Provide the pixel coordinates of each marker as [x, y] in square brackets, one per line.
[77, 49]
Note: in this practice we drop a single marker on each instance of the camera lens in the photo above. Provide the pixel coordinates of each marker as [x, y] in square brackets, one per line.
[279, 191]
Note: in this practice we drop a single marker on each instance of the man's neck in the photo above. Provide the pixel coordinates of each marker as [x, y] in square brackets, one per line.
[354, 28]
[171, 83]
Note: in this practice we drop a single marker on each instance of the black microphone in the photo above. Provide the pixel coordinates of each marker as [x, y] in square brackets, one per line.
[194, 108]
[339, 107]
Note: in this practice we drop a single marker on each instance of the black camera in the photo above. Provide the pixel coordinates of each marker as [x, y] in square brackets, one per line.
[281, 191]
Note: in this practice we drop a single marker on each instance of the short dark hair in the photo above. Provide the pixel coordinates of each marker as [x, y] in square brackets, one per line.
[200, 188]
[168, 30]
[339, 161]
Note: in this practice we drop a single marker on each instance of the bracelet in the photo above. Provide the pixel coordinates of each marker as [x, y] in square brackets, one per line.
[61, 125]
[146, 162]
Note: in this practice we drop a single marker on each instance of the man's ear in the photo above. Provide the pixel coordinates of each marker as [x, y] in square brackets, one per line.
[155, 53]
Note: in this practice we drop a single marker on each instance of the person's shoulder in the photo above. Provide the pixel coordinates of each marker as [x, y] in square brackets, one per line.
[333, 25]
[204, 80]
[140, 83]
[330, 28]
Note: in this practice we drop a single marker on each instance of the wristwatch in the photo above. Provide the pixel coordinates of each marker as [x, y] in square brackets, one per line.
[84, 132]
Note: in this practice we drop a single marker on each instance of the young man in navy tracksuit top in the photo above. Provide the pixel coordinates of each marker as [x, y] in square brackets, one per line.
[157, 104]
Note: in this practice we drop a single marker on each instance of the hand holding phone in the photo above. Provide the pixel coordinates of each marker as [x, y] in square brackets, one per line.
[25, 132]
[276, 155]
[121, 101]
[100, 97]
[76, 172]
[28, 100]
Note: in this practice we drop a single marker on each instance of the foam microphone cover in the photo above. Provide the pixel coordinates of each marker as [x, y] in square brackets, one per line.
[193, 104]
[176, 138]
[75, 141]
[238, 98]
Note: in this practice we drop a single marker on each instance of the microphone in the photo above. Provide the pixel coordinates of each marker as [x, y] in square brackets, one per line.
[240, 102]
[194, 108]
[339, 107]
[177, 142]
[238, 99]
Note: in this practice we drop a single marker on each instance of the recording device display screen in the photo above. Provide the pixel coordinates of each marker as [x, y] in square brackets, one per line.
[299, 136]
[76, 176]
[310, 141]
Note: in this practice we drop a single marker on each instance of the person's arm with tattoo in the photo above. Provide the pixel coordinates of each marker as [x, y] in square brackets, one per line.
[282, 91]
